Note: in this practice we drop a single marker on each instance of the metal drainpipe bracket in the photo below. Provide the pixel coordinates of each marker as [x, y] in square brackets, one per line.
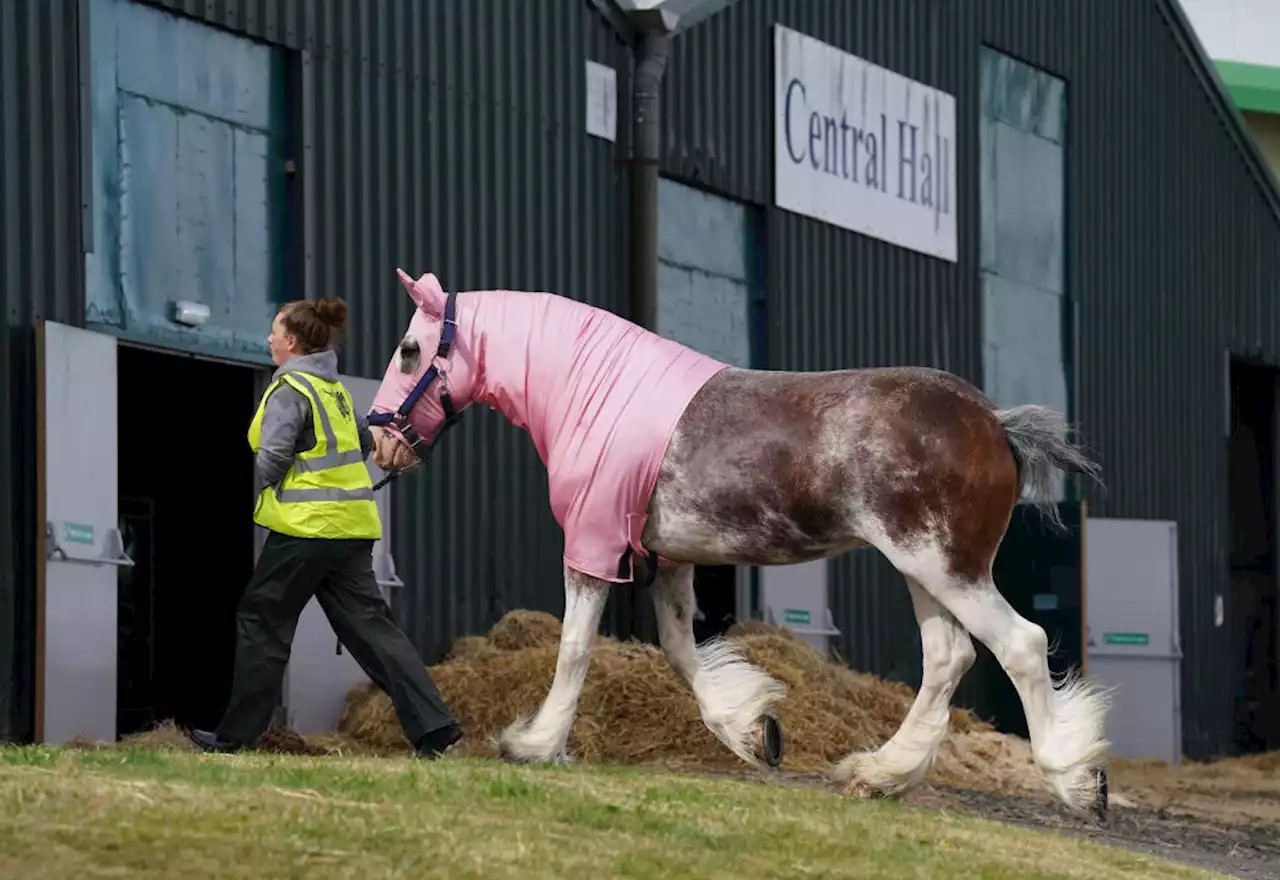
[654, 20]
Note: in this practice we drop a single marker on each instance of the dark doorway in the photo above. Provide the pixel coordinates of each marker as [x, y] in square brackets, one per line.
[1039, 571]
[716, 587]
[1251, 517]
[186, 499]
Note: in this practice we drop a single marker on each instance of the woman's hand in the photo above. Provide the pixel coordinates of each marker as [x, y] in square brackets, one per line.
[390, 452]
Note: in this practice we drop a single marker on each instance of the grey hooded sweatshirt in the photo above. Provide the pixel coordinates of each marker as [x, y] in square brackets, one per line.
[287, 426]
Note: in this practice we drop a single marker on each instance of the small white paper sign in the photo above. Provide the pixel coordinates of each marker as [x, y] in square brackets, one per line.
[602, 101]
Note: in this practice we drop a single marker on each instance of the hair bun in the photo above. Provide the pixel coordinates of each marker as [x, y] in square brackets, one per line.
[333, 312]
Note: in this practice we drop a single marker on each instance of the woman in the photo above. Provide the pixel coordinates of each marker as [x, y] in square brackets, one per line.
[318, 507]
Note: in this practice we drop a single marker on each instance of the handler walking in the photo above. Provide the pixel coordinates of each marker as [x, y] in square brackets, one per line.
[319, 507]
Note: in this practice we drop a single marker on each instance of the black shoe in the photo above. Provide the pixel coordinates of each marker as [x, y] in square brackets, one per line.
[437, 742]
[206, 741]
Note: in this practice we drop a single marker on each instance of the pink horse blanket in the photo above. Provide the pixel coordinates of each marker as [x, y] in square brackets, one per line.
[598, 395]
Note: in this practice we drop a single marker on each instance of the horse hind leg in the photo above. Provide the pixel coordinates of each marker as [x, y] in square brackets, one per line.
[903, 761]
[545, 736]
[1066, 723]
[736, 698]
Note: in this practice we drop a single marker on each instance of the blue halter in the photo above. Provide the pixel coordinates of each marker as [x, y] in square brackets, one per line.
[400, 418]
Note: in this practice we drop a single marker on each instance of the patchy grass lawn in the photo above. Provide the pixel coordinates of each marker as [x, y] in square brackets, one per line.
[145, 813]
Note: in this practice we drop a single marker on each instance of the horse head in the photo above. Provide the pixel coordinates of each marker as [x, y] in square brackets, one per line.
[426, 385]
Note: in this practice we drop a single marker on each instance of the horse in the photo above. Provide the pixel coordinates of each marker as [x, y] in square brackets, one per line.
[660, 458]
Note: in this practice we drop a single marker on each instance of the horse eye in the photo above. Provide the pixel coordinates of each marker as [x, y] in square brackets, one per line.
[410, 355]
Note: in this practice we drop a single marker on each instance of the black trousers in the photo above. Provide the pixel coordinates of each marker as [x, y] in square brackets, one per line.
[339, 573]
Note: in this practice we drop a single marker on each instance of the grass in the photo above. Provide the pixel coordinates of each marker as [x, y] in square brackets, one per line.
[147, 813]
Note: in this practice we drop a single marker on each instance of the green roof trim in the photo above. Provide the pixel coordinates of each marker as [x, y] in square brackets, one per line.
[1252, 86]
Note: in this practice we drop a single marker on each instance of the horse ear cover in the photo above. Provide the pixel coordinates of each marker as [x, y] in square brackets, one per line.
[426, 292]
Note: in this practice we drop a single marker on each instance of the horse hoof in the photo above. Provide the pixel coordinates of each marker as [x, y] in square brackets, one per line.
[1101, 798]
[771, 740]
[856, 788]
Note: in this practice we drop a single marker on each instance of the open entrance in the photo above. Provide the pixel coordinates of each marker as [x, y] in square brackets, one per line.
[716, 587]
[186, 495]
[1255, 611]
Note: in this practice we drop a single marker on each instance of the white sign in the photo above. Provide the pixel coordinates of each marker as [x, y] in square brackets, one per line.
[862, 148]
[602, 101]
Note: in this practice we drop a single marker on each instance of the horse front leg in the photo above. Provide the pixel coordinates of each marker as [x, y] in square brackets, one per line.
[735, 697]
[545, 736]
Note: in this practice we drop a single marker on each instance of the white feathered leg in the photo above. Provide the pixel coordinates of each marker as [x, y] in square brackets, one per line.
[545, 736]
[904, 760]
[732, 693]
[1067, 723]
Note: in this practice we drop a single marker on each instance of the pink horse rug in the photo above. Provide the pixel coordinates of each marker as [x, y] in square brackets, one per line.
[599, 396]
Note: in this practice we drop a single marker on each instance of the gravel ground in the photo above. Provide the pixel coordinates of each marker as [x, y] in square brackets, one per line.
[1250, 851]
[1247, 851]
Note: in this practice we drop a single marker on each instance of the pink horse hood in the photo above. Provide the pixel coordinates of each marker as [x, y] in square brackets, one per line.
[598, 395]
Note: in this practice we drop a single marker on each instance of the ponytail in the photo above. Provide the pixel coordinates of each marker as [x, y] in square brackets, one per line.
[318, 324]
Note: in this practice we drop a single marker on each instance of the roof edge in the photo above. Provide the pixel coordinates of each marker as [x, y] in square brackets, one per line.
[1207, 73]
[1252, 86]
[617, 18]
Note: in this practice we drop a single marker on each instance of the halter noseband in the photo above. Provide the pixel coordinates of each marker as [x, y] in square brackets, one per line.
[400, 418]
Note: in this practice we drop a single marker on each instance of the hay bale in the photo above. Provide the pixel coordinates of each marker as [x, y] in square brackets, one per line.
[986, 758]
[163, 736]
[635, 709]
[279, 740]
[759, 628]
[469, 646]
[518, 630]
[370, 720]
[284, 741]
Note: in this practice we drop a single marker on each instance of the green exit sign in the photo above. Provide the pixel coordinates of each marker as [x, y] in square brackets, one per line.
[77, 533]
[796, 615]
[1125, 638]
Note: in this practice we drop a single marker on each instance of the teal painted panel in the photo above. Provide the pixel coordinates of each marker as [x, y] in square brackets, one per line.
[709, 313]
[704, 293]
[1023, 97]
[1021, 143]
[192, 65]
[1024, 222]
[189, 181]
[702, 230]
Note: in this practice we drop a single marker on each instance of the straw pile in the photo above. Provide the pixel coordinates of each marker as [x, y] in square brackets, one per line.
[635, 709]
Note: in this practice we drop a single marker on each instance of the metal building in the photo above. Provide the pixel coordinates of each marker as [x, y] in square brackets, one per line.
[1110, 248]
[1081, 221]
[237, 154]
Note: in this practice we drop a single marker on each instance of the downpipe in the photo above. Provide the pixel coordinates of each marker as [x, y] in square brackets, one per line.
[653, 51]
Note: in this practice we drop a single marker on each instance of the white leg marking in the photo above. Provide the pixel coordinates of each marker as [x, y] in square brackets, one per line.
[904, 760]
[732, 693]
[1067, 723]
[545, 736]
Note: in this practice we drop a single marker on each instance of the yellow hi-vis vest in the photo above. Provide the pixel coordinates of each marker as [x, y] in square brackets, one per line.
[326, 493]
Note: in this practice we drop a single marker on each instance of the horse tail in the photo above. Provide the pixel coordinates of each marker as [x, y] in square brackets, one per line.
[1037, 436]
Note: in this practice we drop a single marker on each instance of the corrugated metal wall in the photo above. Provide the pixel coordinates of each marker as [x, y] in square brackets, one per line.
[1172, 258]
[440, 138]
[445, 136]
[448, 137]
[41, 275]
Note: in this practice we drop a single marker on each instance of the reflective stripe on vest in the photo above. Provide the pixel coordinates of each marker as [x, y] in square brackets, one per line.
[326, 493]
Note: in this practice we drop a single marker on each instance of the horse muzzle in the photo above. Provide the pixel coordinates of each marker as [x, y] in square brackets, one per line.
[391, 452]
